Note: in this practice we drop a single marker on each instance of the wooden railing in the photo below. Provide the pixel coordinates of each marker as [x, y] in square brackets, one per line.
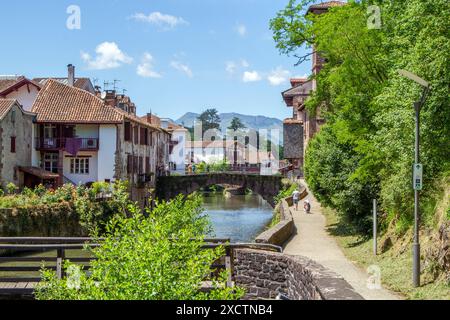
[56, 250]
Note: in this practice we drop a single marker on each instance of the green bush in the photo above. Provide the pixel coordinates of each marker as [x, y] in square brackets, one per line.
[158, 257]
[66, 211]
[288, 188]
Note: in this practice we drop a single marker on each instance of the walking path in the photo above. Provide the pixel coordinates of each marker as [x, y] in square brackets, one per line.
[313, 241]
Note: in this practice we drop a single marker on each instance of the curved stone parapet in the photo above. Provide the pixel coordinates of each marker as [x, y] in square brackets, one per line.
[283, 231]
[266, 275]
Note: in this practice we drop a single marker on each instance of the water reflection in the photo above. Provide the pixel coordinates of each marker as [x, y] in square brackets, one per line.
[240, 218]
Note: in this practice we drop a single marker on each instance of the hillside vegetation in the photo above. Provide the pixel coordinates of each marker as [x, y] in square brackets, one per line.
[366, 149]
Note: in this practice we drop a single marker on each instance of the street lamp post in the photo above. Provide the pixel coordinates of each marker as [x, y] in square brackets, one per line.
[417, 184]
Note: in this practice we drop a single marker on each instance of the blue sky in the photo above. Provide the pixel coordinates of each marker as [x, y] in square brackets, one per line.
[173, 56]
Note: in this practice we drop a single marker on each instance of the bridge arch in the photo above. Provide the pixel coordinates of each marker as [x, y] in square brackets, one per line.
[266, 186]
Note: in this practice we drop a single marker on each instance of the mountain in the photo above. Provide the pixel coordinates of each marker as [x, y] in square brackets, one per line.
[251, 122]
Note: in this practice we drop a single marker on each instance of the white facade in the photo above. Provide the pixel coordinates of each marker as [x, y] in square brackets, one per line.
[106, 152]
[82, 168]
[178, 155]
[26, 95]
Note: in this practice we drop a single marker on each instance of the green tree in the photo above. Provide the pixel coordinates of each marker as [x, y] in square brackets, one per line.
[210, 119]
[154, 257]
[236, 124]
[366, 149]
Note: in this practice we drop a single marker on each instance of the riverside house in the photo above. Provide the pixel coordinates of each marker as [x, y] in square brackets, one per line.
[15, 142]
[303, 125]
[84, 138]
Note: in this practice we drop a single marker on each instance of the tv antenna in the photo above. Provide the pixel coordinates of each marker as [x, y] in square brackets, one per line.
[115, 81]
[106, 85]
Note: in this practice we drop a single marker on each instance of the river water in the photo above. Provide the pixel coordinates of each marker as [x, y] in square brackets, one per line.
[239, 218]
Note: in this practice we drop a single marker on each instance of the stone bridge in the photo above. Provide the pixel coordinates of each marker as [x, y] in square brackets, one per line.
[266, 186]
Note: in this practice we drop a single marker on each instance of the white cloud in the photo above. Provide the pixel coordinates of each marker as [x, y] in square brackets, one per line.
[251, 76]
[278, 76]
[182, 68]
[145, 68]
[109, 56]
[165, 21]
[231, 67]
[244, 63]
[241, 29]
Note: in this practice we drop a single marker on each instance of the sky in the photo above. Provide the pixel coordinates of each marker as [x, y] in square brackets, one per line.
[172, 56]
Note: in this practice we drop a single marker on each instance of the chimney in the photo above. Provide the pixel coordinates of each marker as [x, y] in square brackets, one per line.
[71, 75]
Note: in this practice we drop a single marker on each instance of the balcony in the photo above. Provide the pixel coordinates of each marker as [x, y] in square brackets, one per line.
[85, 144]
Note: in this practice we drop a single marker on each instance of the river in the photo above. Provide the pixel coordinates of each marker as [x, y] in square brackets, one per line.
[240, 218]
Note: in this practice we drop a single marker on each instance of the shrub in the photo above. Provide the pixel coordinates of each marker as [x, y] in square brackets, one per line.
[158, 257]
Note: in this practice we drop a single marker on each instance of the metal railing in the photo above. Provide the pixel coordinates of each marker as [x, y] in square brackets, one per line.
[61, 143]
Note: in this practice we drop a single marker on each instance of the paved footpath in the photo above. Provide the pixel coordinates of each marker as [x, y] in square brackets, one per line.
[313, 241]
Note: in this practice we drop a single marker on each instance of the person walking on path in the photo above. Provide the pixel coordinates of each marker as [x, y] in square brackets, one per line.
[296, 198]
[307, 206]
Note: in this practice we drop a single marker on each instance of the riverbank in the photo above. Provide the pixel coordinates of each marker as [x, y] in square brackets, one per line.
[395, 267]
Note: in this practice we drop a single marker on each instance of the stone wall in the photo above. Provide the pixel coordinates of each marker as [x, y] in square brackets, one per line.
[293, 140]
[265, 275]
[19, 126]
[283, 231]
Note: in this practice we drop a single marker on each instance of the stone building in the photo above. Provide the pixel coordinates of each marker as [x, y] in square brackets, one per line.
[15, 142]
[302, 126]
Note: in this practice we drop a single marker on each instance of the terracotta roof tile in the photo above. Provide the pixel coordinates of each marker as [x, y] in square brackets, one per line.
[326, 5]
[59, 103]
[5, 105]
[7, 84]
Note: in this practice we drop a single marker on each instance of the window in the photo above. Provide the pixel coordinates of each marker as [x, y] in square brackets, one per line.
[144, 136]
[50, 131]
[141, 165]
[129, 164]
[147, 164]
[79, 165]
[13, 116]
[51, 162]
[136, 135]
[127, 131]
[13, 144]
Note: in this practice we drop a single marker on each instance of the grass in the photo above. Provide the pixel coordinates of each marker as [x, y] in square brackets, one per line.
[396, 266]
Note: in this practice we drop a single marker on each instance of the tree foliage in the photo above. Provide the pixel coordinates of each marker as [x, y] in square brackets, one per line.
[210, 119]
[154, 257]
[366, 149]
[236, 124]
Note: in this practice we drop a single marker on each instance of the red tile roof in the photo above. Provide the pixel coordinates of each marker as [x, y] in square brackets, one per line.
[325, 5]
[5, 105]
[8, 84]
[59, 103]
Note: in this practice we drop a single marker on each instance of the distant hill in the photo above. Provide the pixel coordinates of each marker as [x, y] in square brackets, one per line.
[251, 122]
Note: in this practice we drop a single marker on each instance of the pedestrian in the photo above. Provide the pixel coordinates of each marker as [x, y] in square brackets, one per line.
[296, 198]
[194, 167]
[307, 206]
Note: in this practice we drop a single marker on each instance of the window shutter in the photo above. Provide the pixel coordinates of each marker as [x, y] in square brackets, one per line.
[13, 144]
[127, 131]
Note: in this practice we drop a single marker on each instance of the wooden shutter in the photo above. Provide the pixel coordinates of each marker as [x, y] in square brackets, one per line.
[127, 131]
[13, 144]
[129, 164]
